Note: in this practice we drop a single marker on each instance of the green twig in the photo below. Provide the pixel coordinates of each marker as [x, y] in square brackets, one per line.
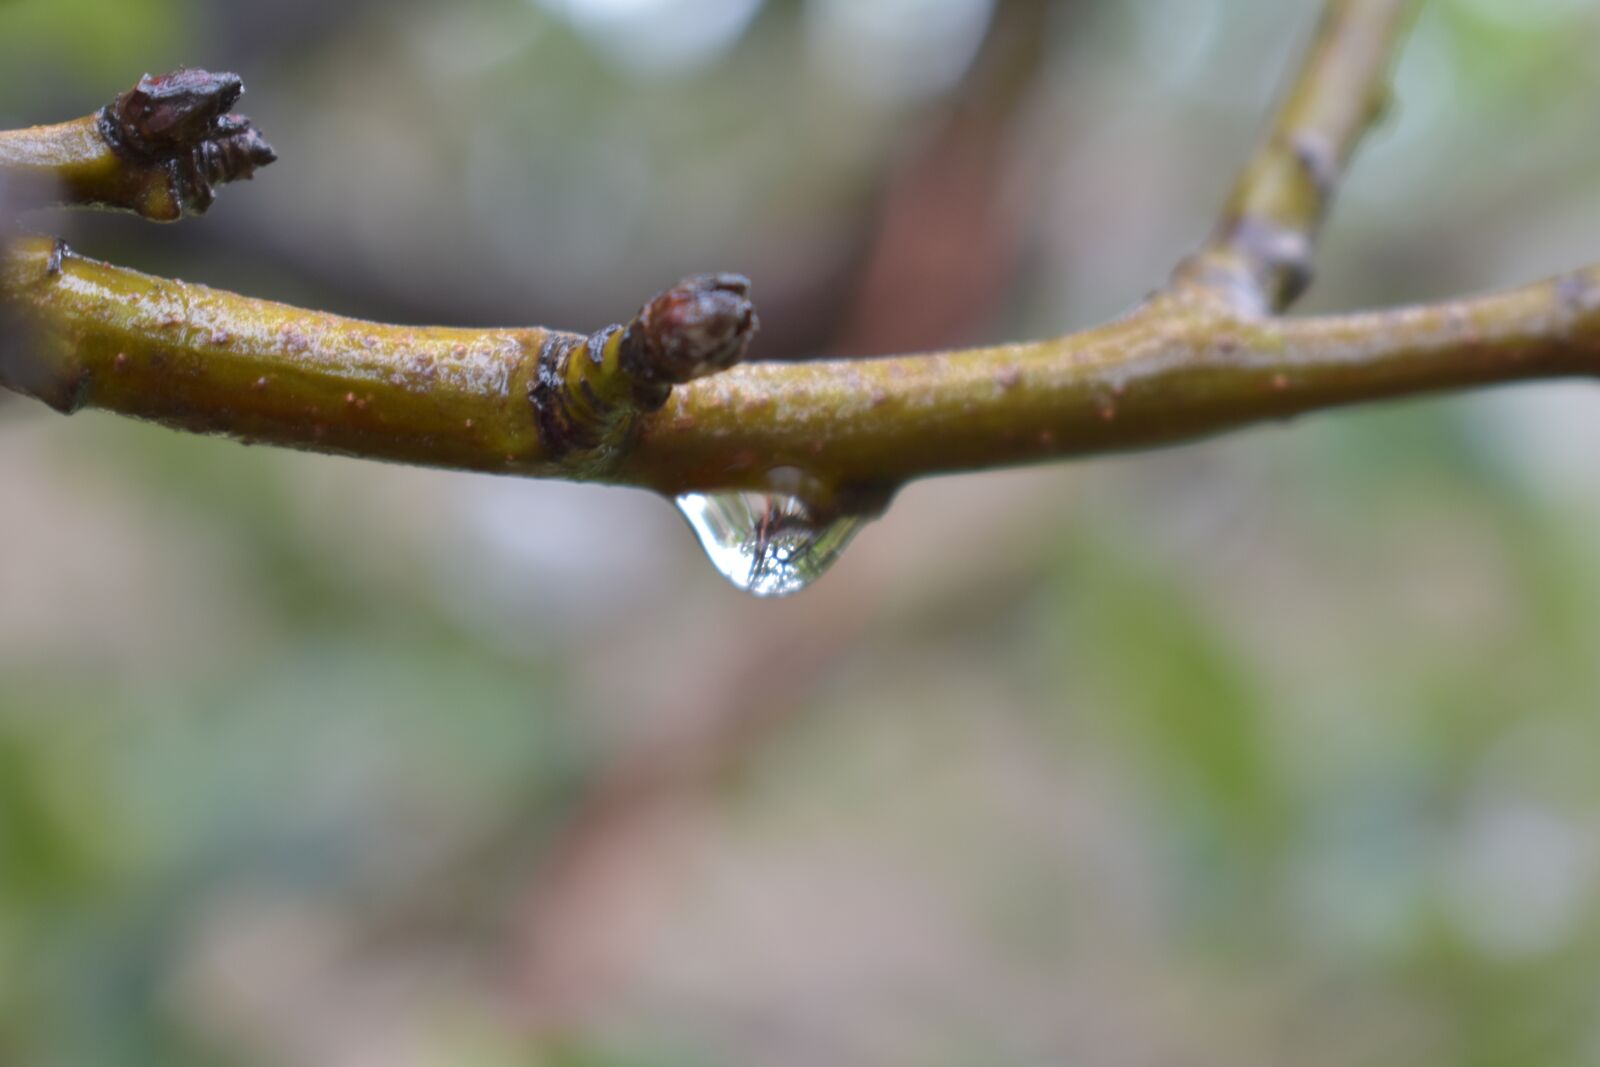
[213, 362]
[1259, 258]
[158, 150]
[527, 401]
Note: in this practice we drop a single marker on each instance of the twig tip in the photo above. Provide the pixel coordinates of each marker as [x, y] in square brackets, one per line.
[183, 119]
[702, 325]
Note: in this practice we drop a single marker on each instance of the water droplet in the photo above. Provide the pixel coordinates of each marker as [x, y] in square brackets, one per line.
[768, 544]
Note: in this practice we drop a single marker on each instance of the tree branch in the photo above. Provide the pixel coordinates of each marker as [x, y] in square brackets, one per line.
[524, 401]
[213, 362]
[650, 404]
[158, 150]
[1259, 257]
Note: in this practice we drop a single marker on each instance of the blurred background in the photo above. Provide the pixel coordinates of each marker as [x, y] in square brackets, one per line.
[1281, 748]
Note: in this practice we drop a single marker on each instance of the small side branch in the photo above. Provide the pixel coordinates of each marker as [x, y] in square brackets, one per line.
[158, 150]
[1259, 258]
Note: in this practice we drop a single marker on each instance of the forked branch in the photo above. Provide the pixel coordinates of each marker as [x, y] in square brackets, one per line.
[654, 404]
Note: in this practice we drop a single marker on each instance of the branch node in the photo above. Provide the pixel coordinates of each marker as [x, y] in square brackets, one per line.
[1319, 160]
[181, 121]
[1266, 235]
[58, 253]
[588, 390]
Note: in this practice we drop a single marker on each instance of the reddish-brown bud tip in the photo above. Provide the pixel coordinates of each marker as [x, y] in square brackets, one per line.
[167, 112]
[702, 325]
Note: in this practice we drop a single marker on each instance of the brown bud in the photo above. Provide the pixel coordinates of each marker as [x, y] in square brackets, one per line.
[181, 119]
[702, 325]
[172, 112]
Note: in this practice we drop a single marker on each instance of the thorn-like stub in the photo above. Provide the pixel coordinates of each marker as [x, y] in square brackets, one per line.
[58, 255]
[702, 325]
[182, 120]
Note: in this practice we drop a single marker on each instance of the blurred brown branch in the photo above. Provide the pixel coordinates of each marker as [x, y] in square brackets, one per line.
[1204, 356]
[954, 215]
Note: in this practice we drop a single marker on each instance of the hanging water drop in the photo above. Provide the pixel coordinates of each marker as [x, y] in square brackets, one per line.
[768, 544]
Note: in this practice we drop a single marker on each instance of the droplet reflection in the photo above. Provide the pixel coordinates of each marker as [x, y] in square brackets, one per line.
[768, 544]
